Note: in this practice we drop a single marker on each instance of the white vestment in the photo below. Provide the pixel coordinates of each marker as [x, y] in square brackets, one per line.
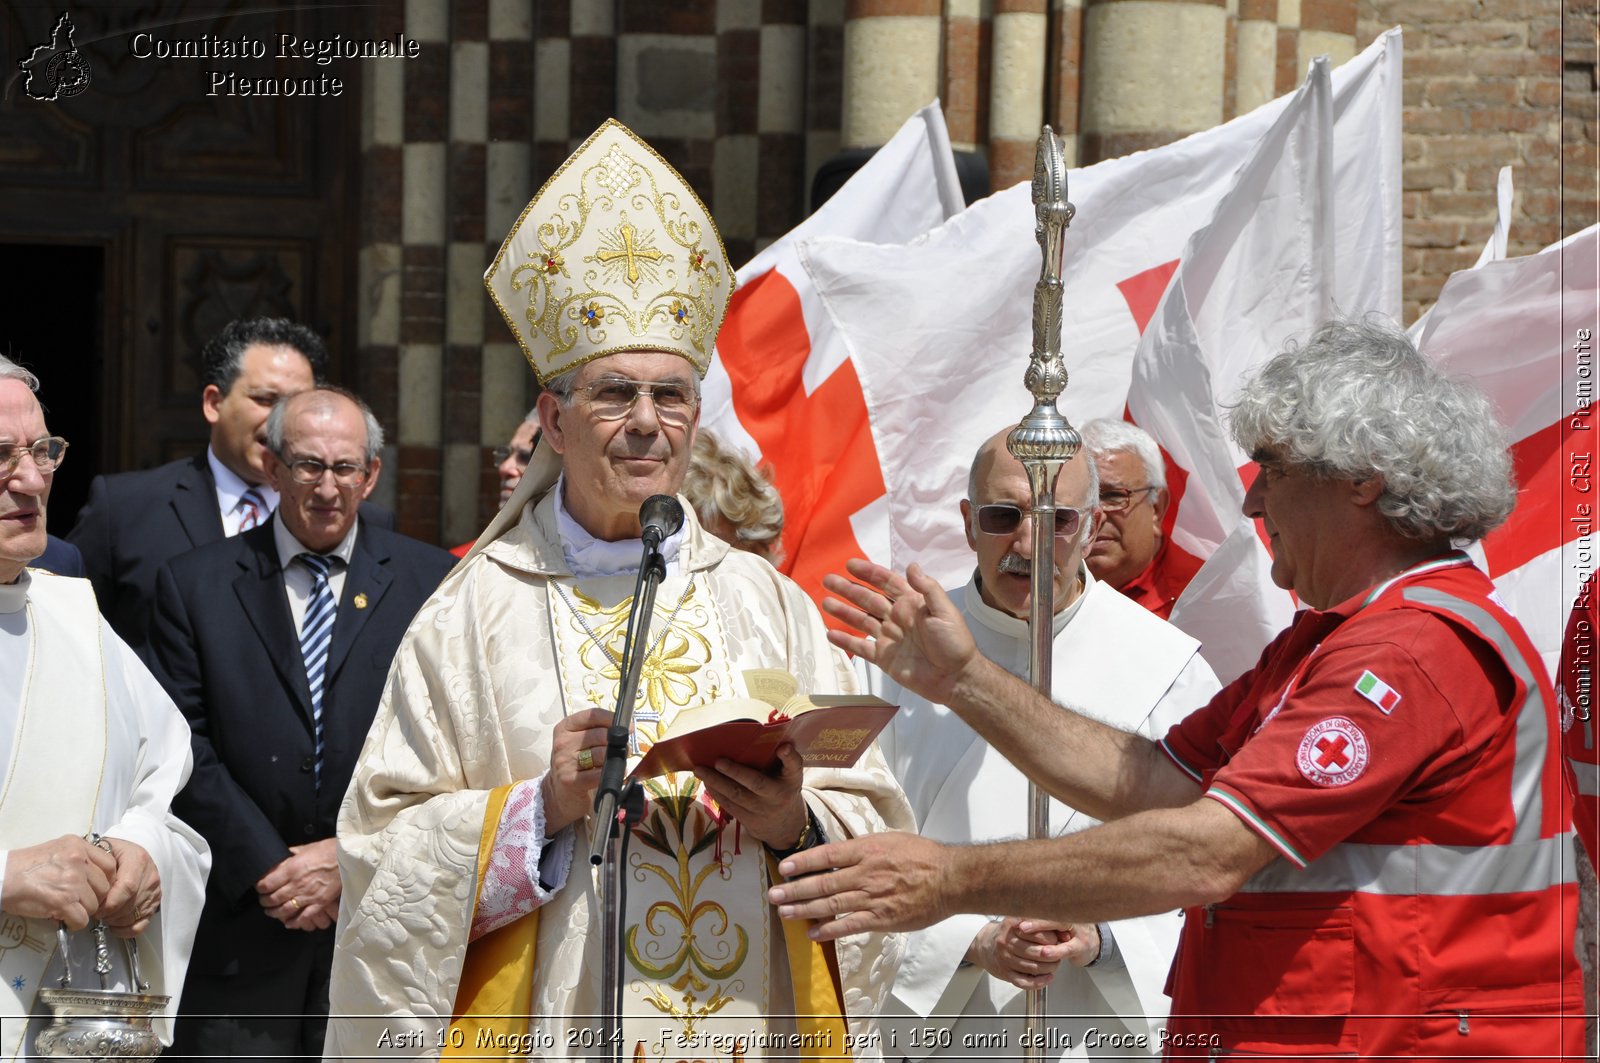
[91, 743]
[509, 644]
[1113, 661]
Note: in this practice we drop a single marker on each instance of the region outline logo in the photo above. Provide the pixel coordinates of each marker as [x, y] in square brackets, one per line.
[56, 70]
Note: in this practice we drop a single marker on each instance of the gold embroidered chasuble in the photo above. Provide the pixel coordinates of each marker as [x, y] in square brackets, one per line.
[491, 663]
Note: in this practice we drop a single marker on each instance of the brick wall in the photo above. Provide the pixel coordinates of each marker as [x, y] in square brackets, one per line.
[1490, 83]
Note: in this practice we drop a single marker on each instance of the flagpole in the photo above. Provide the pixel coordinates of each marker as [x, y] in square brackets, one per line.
[1043, 442]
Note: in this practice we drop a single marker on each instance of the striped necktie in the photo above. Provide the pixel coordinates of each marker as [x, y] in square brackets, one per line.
[316, 634]
[252, 508]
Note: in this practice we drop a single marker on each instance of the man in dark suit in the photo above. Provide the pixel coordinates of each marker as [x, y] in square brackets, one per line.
[275, 644]
[62, 558]
[136, 521]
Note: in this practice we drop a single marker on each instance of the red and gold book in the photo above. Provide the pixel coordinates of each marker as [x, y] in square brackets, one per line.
[828, 730]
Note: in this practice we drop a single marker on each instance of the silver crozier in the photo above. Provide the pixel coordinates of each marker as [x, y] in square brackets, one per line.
[1043, 442]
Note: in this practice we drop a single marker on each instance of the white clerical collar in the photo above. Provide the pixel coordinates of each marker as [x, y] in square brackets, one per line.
[13, 596]
[590, 557]
[230, 488]
[290, 548]
[1014, 627]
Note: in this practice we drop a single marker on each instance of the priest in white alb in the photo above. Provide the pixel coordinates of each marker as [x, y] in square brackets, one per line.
[1124, 666]
[94, 751]
[467, 924]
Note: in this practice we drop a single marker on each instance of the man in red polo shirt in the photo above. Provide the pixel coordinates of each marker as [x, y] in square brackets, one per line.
[1369, 830]
[1575, 692]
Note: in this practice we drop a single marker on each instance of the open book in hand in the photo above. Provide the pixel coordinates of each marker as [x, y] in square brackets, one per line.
[828, 730]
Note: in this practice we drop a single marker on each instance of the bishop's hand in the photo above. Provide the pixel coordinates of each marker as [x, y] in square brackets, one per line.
[915, 634]
[577, 751]
[769, 806]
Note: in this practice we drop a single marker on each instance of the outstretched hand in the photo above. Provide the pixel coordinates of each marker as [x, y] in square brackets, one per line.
[877, 882]
[914, 633]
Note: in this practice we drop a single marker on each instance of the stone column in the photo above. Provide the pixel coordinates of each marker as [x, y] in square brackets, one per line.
[1256, 80]
[891, 66]
[966, 43]
[781, 172]
[383, 115]
[1016, 89]
[1065, 91]
[1154, 71]
[521, 112]
[422, 271]
[1327, 27]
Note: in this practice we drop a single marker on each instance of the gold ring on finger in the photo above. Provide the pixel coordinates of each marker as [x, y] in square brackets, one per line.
[296, 902]
[585, 759]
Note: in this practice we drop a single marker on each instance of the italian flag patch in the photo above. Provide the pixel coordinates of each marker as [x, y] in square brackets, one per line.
[1378, 692]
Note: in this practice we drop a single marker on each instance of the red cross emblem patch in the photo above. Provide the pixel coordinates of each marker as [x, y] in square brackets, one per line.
[1333, 752]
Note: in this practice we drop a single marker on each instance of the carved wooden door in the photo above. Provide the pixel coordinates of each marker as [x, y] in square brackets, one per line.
[200, 207]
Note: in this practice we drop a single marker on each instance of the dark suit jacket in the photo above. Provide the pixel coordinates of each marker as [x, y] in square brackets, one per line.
[134, 522]
[61, 557]
[225, 648]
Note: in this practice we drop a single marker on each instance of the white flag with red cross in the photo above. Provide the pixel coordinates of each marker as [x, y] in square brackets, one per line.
[1524, 329]
[939, 328]
[1261, 272]
[781, 385]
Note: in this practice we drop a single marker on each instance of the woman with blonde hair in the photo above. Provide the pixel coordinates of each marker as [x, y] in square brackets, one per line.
[733, 499]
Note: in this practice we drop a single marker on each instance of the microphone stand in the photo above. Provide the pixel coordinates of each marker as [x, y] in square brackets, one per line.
[606, 841]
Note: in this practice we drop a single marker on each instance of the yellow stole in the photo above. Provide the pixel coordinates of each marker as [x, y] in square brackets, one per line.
[497, 977]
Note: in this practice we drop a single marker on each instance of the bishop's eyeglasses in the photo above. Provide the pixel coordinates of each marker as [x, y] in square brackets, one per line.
[614, 399]
[48, 452]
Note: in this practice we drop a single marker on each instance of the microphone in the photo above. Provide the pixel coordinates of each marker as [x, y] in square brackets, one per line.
[660, 517]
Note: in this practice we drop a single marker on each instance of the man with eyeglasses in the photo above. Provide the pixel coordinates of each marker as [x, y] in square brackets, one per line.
[463, 899]
[1131, 550]
[1121, 665]
[275, 644]
[1368, 829]
[93, 752]
[135, 521]
[510, 459]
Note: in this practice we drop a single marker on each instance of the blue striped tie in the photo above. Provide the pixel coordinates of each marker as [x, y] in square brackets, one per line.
[315, 636]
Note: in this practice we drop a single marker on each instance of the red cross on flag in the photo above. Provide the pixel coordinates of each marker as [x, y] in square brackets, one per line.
[938, 329]
[783, 386]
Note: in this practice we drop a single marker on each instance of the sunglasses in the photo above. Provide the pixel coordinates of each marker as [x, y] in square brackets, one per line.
[1002, 518]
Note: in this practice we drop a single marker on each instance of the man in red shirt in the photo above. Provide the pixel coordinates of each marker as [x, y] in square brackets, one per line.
[1368, 830]
[1131, 550]
[1575, 692]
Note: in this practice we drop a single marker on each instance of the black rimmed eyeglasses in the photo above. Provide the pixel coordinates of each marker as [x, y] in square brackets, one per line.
[310, 471]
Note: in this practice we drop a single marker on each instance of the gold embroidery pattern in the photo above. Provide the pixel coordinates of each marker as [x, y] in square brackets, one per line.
[667, 677]
[637, 284]
[705, 960]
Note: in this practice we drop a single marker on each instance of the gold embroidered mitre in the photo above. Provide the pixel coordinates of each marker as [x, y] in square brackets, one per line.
[615, 253]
